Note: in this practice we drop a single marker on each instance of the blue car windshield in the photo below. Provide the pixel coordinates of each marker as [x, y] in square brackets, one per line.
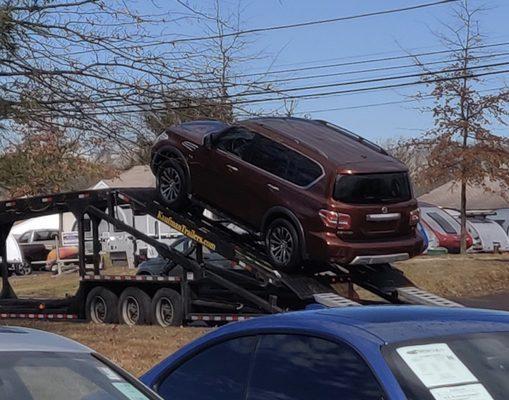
[466, 367]
[64, 376]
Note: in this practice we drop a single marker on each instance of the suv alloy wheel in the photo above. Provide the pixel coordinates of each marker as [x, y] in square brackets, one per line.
[172, 184]
[283, 245]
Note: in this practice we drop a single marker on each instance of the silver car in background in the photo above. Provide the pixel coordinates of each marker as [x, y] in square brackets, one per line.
[36, 365]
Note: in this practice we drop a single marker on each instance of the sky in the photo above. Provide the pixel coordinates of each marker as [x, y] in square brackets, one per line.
[351, 41]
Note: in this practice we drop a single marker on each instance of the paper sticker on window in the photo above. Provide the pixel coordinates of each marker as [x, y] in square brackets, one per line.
[436, 365]
[465, 392]
[110, 374]
[129, 391]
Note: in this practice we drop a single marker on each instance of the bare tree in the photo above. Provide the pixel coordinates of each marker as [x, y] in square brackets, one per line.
[76, 64]
[216, 83]
[462, 145]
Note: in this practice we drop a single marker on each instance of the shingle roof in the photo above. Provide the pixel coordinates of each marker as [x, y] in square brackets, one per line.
[139, 176]
[479, 197]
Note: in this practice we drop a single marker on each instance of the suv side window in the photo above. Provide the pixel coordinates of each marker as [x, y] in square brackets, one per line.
[302, 171]
[218, 372]
[25, 238]
[271, 156]
[40, 236]
[302, 368]
[284, 162]
[236, 141]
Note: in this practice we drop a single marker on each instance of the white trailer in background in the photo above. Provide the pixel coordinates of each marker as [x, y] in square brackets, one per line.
[122, 247]
[14, 254]
[501, 216]
[489, 236]
[15, 257]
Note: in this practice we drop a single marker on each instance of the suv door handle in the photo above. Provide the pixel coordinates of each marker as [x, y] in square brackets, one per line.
[232, 168]
[273, 187]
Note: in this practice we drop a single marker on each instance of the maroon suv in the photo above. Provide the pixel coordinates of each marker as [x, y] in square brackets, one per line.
[311, 190]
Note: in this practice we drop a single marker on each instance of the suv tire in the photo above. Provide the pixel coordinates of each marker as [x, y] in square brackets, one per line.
[172, 184]
[23, 269]
[283, 245]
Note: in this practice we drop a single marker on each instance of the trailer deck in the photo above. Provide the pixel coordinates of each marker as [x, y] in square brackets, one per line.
[202, 291]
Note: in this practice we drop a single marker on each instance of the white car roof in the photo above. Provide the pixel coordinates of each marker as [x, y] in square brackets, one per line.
[25, 339]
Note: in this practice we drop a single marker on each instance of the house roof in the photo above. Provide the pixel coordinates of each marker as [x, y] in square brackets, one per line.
[139, 176]
[488, 196]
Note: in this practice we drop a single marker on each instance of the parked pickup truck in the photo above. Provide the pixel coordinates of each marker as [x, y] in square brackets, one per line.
[36, 244]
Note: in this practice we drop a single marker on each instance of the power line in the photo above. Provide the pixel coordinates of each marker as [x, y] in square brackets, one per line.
[310, 23]
[372, 88]
[157, 106]
[363, 81]
[359, 71]
[369, 61]
[385, 103]
[352, 72]
[336, 84]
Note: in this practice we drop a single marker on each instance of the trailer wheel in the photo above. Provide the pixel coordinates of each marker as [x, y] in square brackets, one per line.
[167, 309]
[101, 306]
[134, 307]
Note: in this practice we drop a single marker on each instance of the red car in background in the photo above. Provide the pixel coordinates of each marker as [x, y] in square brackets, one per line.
[445, 227]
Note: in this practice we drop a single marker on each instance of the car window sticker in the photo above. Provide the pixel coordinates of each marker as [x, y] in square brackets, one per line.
[465, 392]
[436, 365]
[129, 391]
[110, 374]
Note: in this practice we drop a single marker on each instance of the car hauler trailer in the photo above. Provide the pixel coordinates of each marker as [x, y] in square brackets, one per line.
[201, 291]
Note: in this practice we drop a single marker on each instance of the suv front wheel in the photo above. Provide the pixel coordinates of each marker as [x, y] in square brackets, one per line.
[172, 184]
[283, 245]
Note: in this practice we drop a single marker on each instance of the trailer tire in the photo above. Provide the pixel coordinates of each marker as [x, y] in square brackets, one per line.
[101, 306]
[167, 308]
[134, 307]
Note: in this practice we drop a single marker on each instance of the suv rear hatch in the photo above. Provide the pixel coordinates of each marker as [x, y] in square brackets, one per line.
[380, 205]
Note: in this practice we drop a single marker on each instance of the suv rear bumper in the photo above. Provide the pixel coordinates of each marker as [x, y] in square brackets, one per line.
[380, 259]
[328, 247]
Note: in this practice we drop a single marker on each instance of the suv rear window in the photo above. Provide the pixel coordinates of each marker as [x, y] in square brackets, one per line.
[373, 188]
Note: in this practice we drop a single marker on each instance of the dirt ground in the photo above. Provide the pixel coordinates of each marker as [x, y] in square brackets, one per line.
[138, 348]
[459, 276]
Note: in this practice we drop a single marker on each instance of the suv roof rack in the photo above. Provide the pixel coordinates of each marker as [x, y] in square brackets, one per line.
[353, 136]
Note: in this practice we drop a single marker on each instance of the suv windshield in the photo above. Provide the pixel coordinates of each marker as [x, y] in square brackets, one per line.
[63, 376]
[470, 367]
[373, 188]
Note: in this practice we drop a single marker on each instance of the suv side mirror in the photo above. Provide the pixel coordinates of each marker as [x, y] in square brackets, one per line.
[207, 141]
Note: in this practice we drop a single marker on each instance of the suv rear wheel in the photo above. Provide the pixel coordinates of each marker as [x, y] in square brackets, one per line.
[172, 184]
[283, 245]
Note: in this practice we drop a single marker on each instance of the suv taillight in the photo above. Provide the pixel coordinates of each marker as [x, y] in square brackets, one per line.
[415, 216]
[333, 219]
